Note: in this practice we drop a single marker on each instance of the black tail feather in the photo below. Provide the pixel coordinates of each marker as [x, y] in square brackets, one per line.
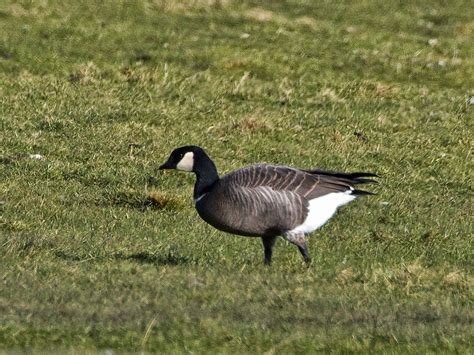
[349, 176]
[359, 174]
[361, 193]
[364, 181]
[343, 181]
[353, 178]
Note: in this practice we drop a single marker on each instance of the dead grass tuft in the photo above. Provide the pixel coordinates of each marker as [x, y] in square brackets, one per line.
[235, 64]
[307, 21]
[253, 124]
[259, 14]
[379, 90]
[161, 200]
[453, 278]
[386, 90]
[16, 10]
[331, 95]
[346, 276]
[86, 74]
[414, 268]
[382, 119]
[186, 5]
[408, 278]
[458, 280]
[465, 28]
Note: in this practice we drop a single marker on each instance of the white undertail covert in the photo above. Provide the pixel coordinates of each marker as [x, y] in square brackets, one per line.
[321, 209]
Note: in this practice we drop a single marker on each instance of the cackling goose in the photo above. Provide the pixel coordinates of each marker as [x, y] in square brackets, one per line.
[264, 200]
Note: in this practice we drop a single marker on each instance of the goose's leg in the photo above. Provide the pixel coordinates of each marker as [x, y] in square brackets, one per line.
[298, 240]
[268, 243]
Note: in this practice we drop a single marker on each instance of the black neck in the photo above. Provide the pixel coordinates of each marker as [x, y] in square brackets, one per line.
[206, 175]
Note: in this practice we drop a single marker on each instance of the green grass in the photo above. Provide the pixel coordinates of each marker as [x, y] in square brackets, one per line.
[99, 250]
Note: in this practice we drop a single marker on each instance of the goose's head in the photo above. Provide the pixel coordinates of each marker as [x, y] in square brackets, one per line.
[184, 158]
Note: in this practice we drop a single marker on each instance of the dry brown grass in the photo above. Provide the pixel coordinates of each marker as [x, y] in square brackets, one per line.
[161, 199]
[187, 5]
[259, 14]
[253, 123]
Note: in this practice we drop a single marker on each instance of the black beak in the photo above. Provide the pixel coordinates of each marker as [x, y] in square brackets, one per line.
[166, 165]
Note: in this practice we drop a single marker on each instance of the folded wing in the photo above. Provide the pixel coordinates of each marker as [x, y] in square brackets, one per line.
[309, 184]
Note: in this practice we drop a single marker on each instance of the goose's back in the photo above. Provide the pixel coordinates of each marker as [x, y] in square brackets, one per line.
[308, 184]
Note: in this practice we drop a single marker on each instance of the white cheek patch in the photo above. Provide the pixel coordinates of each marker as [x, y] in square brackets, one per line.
[187, 162]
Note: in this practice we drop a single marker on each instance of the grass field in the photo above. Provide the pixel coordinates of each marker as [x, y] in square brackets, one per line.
[99, 250]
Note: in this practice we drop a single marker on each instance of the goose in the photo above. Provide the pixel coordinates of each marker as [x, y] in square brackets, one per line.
[266, 200]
